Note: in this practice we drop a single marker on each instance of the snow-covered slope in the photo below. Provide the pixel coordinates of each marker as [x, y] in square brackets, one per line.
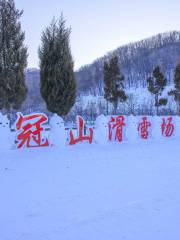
[120, 191]
[136, 60]
[139, 102]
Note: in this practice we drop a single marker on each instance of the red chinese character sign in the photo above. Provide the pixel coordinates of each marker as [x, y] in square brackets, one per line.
[30, 130]
[143, 128]
[167, 127]
[80, 132]
[116, 125]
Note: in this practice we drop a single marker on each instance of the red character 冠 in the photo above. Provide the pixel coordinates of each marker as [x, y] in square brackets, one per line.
[116, 123]
[30, 129]
[167, 127]
[81, 136]
[143, 128]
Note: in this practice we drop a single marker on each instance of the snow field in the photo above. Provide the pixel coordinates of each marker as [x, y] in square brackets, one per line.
[87, 192]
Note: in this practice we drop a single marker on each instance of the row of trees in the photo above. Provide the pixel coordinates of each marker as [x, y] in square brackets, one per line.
[58, 84]
[114, 85]
[157, 83]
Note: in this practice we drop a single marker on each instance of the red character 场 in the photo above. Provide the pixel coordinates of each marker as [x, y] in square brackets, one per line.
[116, 128]
[143, 128]
[81, 136]
[167, 127]
[30, 130]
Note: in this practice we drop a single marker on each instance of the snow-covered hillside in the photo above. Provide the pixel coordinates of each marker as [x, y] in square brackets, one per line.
[137, 61]
[139, 102]
[88, 192]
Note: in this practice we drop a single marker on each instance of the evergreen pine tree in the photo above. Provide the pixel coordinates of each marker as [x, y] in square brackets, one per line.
[176, 91]
[107, 85]
[58, 85]
[113, 83]
[13, 57]
[156, 85]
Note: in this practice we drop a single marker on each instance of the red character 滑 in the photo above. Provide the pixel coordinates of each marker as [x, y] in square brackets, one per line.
[143, 128]
[81, 136]
[30, 129]
[167, 127]
[116, 123]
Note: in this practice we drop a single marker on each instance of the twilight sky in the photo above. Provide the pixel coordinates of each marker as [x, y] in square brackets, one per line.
[98, 26]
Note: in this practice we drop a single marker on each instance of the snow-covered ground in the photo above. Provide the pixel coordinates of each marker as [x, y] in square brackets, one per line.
[128, 191]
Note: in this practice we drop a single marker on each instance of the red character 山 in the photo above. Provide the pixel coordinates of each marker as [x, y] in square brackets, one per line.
[81, 137]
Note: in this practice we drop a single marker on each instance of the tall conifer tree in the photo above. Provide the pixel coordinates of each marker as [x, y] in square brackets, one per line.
[156, 85]
[113, 83]
[13, 57]
[58, 85]
[107, 85]
[176, 91]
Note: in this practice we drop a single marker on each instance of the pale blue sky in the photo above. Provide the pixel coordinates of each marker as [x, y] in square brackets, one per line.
[98, 26]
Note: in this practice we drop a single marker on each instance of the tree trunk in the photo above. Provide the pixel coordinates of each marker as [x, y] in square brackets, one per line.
[157, 111]
[107, 107]
[9, 116]
[115, 108]
[178, 108]
[157, 102]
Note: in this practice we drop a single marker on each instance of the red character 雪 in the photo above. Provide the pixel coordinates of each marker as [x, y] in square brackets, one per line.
[143, 128]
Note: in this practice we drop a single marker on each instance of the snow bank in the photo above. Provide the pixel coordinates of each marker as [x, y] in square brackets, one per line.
[106, 129]
[6, 136]
[101, 130]
[58, 135]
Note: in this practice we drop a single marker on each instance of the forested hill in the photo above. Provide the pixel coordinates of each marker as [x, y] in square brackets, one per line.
[137, 61]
